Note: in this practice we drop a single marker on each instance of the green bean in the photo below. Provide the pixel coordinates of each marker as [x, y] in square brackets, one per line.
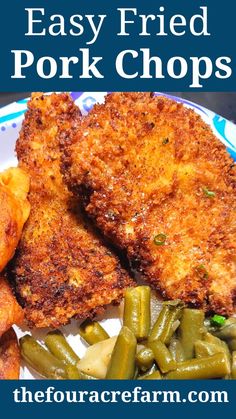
[176, 350]
[149, 372]
[41, 360]
[160, 324]
[60, 348]
[232, 344]
[136, 373]
[137, 311]
[191, 329]
[204, 349]
[145, 359]
[84, 376]
[74, 374]
[233, 372]
[154, 376]
[92, 332]
[227, 332]
[122, 363]
[162, 356]
[165, 325]
[215, 366]
[209, 338]
[230, 320]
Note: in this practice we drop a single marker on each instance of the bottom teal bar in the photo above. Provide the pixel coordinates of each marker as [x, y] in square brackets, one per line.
[111, 399]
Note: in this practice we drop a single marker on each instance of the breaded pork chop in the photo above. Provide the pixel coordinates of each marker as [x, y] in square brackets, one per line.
[62, 268]
[14, 211]
[160, 185]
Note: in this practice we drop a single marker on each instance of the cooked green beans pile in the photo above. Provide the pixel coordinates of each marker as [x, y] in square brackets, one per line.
[181, 344]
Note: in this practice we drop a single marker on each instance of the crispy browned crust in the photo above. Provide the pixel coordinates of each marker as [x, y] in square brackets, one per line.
[141, 164]
[62, 268]
[14, 211]
[10, 311]
[9, 356]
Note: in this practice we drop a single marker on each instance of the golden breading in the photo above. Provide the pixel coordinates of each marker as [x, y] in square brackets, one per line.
[10, 311]
[9, 356]
[62, 268]
[14, 187]
[160, 185]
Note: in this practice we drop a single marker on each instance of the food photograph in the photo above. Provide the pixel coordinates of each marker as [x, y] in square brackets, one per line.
[117, 237]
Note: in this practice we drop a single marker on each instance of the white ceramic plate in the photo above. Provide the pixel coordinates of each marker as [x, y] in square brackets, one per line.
[11, 117]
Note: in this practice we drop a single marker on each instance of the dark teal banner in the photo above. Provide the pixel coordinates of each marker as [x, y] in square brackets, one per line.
[162, 45]
[116, 399]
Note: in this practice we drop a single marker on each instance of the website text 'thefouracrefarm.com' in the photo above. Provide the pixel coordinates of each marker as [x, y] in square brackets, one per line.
[137, 395]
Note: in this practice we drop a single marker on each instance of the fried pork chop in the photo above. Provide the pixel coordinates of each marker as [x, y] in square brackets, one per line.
[160, 185]
[15, 208]
[62, 267]
[14, 211]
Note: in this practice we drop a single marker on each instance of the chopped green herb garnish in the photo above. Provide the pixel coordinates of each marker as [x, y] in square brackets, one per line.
[165, 141]
[160, 239]
[208, 193]
[202, 272]
[218, 320]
